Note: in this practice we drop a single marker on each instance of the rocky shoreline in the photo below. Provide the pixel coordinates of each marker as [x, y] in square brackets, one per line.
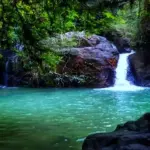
[133, 135]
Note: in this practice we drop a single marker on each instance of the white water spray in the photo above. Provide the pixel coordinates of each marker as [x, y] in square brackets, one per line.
[121, 71]
[121, 82]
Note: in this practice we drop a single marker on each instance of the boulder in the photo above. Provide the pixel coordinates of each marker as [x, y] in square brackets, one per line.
[140, 67]
[91, 41]
[123, 44]
[91, 64]
[93, 58]
[96, 63]
[133, 135]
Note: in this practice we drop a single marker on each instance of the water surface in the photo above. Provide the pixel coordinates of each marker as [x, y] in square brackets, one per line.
[56, 119]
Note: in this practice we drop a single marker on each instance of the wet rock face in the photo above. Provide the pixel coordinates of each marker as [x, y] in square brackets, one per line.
[9, 67]
[96, 59]
[123, 45]
[140, 68]
[91, 63]
[133, 135]
[91, 41]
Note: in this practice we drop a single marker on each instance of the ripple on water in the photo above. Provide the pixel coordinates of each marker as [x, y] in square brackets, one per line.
[57, 119]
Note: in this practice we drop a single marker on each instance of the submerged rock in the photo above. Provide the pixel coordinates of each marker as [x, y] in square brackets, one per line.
[133, 135]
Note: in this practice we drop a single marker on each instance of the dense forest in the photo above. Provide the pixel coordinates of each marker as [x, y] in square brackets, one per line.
[35, 44]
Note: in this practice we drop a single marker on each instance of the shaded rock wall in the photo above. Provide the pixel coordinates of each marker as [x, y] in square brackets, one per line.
[140, 69]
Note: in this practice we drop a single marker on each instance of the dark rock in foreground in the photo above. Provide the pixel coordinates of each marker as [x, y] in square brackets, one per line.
[133, 135]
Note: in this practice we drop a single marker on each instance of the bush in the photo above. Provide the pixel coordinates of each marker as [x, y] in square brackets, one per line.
[51, 60]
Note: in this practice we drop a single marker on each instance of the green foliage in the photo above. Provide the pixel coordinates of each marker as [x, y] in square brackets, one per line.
[52, 60]
[123, 21]
[56, 44]
[68, 42]
[34, 24]
[126, 22]
[29, 22]
[69, 22]
[144, 32]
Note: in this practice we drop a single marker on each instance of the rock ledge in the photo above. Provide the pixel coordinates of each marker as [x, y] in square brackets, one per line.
[133, 135]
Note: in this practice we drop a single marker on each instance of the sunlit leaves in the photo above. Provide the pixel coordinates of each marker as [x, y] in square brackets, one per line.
[51, 59]
[12, 36]
[108, 15]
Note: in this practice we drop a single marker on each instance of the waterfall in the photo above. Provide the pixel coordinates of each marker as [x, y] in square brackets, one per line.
[121, 71]
[121, 82]
[6, 73]
[13, 60]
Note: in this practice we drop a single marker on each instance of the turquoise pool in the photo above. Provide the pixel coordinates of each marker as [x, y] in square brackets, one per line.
[59, 119]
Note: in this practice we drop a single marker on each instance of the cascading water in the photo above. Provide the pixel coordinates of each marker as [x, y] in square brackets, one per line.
[6, 74]
[121, 71]
[10, 60]
[121, 82]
